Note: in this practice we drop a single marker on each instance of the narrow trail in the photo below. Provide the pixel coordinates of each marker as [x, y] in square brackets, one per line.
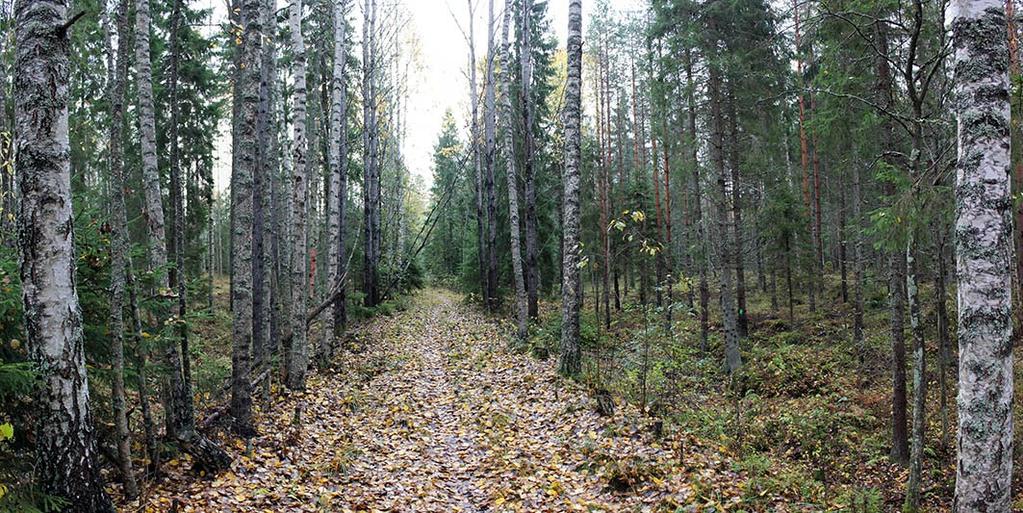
[429, 413]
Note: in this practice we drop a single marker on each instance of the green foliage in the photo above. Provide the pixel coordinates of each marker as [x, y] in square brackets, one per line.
[545, 336]
[861, 500]
[791, 370]
[817, 429]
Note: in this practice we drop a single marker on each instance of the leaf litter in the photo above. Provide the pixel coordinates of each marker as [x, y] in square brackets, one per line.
[428, 411]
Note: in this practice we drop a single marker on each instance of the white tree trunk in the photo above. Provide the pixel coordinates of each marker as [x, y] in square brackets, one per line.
[298, 361]
[147, 132]
[983, 232]
[66, 463]
[513, 180]
[338, 182]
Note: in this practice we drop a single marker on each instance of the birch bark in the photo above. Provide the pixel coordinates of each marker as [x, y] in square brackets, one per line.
[66, 459]
[983, 257]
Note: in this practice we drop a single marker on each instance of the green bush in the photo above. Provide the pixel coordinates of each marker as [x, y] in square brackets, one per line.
[790, 370]
[815, 429]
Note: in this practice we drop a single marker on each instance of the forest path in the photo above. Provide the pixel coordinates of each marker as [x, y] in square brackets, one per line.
[431, 414]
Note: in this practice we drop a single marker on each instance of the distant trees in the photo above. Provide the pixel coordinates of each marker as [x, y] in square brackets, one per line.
[799, 154]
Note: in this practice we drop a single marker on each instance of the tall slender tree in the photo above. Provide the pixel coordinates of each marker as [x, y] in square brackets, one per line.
[338, 184]
[370, 143]
[571, 358]
[298, 360]
[119, 251]
[529, 165]
[508, 145]
[489, 156]
[246, 93]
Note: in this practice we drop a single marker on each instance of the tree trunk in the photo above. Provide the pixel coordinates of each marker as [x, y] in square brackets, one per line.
[897, 270]
[842, 237]
[490, 148]
[336, 202]
[571, 359]
[66, 463]
[983, 253]
[371, 187]
[912, 502]
[8, 195]
[528, 145]
[119, 245]
[298, 360]
[695, 185]
[857, 219]
[804, 150]
[941, 312]
[261, 206]
[521, 305]
[474, 147]
[733, 359]
[178, 407]
[186, 414]
[897, 306]
[246, 92]
[742, 320]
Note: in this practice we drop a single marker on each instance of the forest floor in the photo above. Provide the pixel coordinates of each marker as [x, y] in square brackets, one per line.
[427, 411]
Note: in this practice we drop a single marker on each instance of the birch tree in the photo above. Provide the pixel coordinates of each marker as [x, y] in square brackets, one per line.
[66, 458]
[508, 144]
[571, 359]
[338, 145]
[983, 258]
[298, 360]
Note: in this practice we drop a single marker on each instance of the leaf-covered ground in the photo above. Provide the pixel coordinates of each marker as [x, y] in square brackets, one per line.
[427, 411]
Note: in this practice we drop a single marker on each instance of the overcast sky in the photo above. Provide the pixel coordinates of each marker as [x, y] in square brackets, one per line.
[437, 79]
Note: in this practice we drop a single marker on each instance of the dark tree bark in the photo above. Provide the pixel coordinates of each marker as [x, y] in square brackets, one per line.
[119, 254]
[742, 319]
[371, 172]
[246, 92]
[897, 270]
[695, 185]
[571, 359]
[508, 145]
[489, 156]
[733, 359]
[529, 149]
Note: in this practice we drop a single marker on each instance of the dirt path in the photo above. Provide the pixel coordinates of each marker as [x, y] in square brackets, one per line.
[432, 415]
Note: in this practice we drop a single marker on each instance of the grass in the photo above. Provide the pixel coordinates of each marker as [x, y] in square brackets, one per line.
[806, 420]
